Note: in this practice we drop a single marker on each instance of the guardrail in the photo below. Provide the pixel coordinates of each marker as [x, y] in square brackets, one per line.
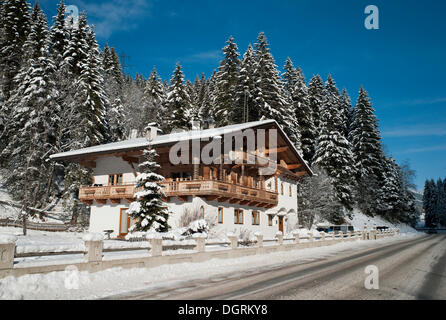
[93, 259]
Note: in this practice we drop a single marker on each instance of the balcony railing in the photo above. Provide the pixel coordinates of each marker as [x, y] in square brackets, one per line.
[211, 189]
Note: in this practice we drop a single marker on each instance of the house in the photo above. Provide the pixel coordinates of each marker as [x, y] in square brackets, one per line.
[243, 176]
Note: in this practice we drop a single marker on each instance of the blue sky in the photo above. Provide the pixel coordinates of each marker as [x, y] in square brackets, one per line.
[402, 65]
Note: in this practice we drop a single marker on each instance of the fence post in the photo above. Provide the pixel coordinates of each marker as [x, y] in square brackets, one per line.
[94, 245]
[259, 237]
[349, 235]
[296, 237]
[234, 240]
[279, 236]
[341, 235]
[310, 236]
[332, 235]
[200, 240]
[7, 251]
[364, 233]
[322, 236]
[156, 244]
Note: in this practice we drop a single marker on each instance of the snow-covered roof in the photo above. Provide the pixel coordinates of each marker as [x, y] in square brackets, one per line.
[141, 143]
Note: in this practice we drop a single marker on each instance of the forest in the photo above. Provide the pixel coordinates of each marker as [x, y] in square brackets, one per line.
[60, 91]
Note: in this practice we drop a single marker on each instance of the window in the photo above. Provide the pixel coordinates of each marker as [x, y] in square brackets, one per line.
[220, 215]
[291, 190]
[238, 216]
[115, 179]
[282, 189]
[270, 220]
[255, 218]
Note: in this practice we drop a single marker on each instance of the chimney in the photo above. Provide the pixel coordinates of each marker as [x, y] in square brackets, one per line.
[196, 125]
[151, 131]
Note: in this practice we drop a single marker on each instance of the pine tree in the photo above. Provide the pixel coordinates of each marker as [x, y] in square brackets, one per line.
[149, 211]
[226, 83]
[430, 197]
[204, 101]
[367, 150]
[245, 105]
[178, 103]
[315, 93]
[332, 149]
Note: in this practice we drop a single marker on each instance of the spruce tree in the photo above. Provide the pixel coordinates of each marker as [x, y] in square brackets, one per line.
[333, 150]
[149, 211]
[347, 111]
[245, 106]
[59, 35]
[154, 100]
[270, 96]
[226, 83]
[304, 116]
[178, 103]
[35, 118]
[290, 76]
[315, 93]
[365, 140]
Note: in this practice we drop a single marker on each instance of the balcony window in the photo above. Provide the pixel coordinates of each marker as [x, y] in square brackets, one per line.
[115, 179]
[220, 215]
[291, 191]
[255, 218]
[270, 220]
[238, 216]
[282, 188]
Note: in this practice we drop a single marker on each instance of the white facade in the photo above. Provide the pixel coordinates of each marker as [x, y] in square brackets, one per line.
[109, 216]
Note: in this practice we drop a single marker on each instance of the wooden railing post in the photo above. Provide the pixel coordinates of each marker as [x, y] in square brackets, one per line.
[322, 236]
[364, 233]
[7, 251]
[94, 245]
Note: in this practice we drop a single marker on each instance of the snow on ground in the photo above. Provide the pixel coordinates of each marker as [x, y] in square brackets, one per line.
[5, 212]
[56, 285]
[360, 219]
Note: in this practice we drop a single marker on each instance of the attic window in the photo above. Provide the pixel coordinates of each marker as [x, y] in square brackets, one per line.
[115, 179]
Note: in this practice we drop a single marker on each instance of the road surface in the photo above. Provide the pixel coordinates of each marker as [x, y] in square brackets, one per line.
[408, 269]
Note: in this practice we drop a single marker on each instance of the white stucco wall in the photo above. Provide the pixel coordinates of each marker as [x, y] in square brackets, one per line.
[107, 217]
[113, 165]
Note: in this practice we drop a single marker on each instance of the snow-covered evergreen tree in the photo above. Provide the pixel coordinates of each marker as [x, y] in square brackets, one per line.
[90, 99]
[35, 118]
[154, 100]
[270, 96]
[245, 107]
[365, 140]
[149, 211]
[226, 81]
[333, 150]
[347, 111]
[290, 76]
[315, 93]
[304, 115]
[59, 35]
[178, 103]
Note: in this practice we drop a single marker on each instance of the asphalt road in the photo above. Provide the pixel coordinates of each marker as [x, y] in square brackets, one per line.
[408, 269]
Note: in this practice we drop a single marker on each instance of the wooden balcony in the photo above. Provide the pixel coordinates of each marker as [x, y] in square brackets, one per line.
[212, 190]
[101, 194]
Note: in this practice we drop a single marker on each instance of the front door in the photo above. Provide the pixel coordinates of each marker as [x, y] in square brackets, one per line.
[281, 224]
[124, 223]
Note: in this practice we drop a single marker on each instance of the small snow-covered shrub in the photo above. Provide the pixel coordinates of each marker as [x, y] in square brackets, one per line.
[189, 215]
[198, 226]
[246, 238]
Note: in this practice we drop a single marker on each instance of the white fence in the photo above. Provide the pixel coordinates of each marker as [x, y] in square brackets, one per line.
[158, 254]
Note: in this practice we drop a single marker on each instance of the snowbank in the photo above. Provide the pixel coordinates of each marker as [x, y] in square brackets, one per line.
[118, 280]
[360, 219]
[7, 238]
